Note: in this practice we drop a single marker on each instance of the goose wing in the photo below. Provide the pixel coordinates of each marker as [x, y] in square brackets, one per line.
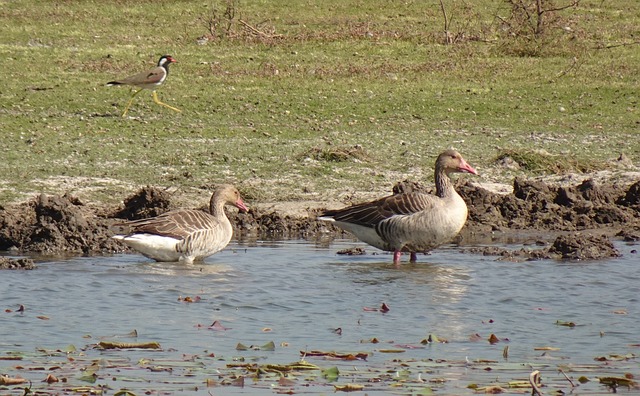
[178, 224]
[369, 214]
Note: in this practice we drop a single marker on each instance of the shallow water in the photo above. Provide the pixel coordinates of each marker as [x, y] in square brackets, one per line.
[296, 294]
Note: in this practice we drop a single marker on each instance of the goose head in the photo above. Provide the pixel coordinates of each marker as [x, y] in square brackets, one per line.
[451, 161]
[229, 195]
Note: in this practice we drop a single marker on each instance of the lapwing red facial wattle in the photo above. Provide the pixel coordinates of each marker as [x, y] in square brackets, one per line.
[150, 79]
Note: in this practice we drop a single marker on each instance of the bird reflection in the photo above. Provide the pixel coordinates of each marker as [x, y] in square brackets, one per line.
[440, 280]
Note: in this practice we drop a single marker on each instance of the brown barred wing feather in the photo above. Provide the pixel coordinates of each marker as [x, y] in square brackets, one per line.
[178, 224]
[371, 213]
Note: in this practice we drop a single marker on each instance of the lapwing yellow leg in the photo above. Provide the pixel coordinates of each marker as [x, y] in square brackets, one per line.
[155, 99]
[126, 109]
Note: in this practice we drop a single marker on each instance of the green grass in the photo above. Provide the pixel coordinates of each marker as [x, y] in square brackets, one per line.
[270, 112]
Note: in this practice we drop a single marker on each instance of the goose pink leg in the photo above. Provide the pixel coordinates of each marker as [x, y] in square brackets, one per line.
[396, 257]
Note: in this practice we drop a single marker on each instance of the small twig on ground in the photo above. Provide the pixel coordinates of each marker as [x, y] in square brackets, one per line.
[534, 380]
[573, 65]
[447, 33]
[567, 377]
[619, 45]
[258, 32]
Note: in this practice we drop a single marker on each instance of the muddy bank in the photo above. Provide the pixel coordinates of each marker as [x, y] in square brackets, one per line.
[581, 218]
[17, 264]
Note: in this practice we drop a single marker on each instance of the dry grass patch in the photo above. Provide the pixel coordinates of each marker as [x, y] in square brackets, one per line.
[337, 154]
[540, 161]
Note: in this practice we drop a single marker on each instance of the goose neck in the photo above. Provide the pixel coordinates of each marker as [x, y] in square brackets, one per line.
[216, 208]
[444, 187]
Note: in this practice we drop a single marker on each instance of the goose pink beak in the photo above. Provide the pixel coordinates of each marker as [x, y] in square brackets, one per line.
[240, 205]
[466, 168]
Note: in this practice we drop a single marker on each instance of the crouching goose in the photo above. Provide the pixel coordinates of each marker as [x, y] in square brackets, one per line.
[410, 222]
[185, 234]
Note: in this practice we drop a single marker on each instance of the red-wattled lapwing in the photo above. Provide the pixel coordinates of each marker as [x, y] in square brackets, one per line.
[150, 79]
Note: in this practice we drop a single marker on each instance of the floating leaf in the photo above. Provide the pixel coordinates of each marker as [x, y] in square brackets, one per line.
[10, 357]
[189, 299]
[493, 390]
[218, 326]
[302, 365]
[42, 317]
[128, 345]
[283, 381]
[384, 308]
[615, 357]
[493, 339]
[391, 350]
[131, 334]
[124, 393]
[269, 346]
[336, 355]
[432, 338]
[238, 382]
[566, 324]
[5, 380]
[331, 374]
[615, 382]
[51, 379]
[409, 346]
[546, 348]
[475, 337]
[90, 375]
[349, 387]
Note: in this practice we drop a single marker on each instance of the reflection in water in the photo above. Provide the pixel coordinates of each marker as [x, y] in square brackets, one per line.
[443, 282]
[303, 291]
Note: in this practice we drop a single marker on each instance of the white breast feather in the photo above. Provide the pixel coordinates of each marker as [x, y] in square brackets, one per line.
[157, 247]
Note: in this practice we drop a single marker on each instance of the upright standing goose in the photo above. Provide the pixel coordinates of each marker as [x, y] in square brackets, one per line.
[150, 79]
[410, 222]
[185, 234]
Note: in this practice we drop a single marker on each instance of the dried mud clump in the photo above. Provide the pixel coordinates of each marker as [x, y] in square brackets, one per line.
[54, 224]
[16, 264]
[270, 224]
[147, 202]
[537, 205]
[503, 254]
[583, 247]
[354, 251]
[408, 186]
[631, 198]
[574, 246]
